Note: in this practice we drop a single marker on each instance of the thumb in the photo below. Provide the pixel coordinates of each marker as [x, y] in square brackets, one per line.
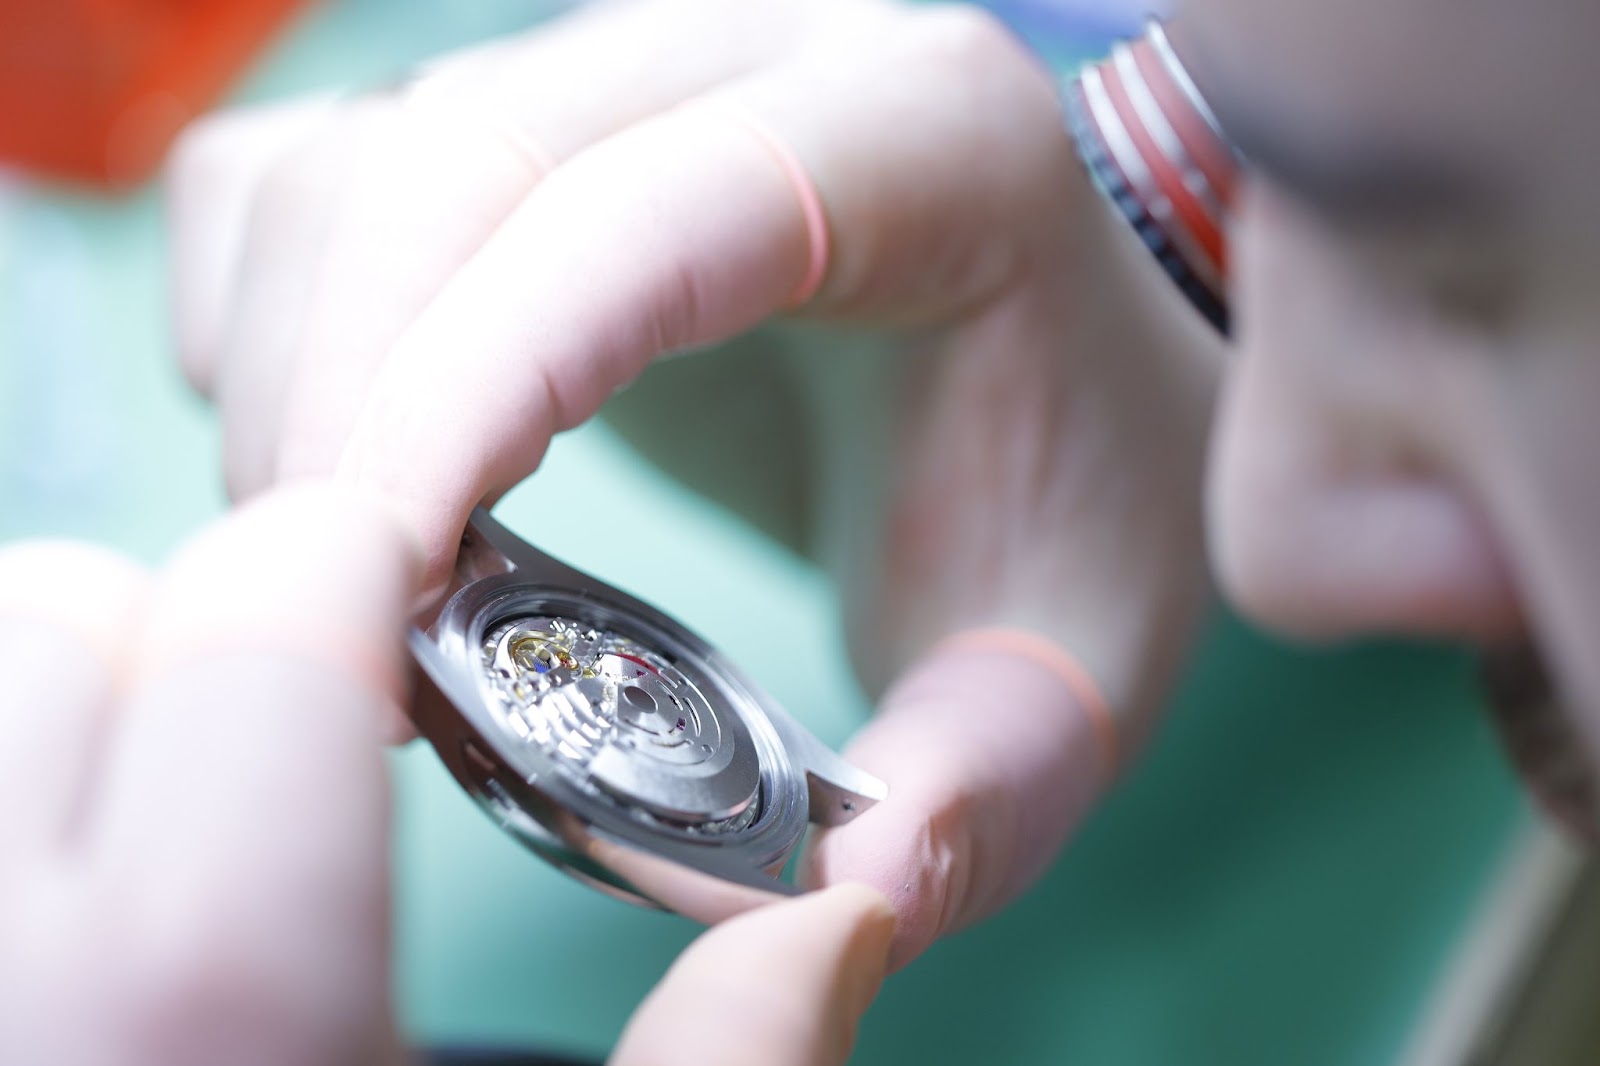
[790, 980]
[994, 745]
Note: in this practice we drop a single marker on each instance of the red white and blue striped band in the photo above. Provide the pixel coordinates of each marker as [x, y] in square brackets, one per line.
[1154, 149]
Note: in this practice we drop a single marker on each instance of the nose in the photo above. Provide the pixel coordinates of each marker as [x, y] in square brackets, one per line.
[1336, 504]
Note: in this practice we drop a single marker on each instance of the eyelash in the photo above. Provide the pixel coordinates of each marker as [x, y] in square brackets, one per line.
[1465, 280]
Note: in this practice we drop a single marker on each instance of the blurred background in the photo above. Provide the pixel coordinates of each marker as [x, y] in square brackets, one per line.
[1284, 878]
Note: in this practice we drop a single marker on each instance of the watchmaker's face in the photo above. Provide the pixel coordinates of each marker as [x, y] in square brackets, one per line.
[1411, 435]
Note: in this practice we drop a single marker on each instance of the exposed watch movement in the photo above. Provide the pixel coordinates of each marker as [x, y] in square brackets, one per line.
[613, 741]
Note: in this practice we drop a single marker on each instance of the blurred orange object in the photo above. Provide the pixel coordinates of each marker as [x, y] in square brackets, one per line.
[95, 90]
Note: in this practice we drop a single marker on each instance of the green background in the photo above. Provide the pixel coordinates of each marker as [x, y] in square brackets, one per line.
[1278, 881]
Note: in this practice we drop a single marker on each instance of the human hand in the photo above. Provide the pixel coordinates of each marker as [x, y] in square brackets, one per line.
[193, 849]
[194, 837]
[415, 291]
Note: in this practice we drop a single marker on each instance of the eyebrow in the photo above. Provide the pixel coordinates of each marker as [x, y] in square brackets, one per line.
[1365, 177]
[1369, 180]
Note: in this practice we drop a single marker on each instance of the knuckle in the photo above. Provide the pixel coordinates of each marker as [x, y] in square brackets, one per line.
[674, 315]
[291, 183]
[966, 36]
[980, 68]
[201, 151]
[312, 168]
[994, 71]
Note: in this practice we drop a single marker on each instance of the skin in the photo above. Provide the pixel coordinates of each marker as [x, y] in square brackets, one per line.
[1404, 439]
[426, 285]
[413, 292]
[138, 926]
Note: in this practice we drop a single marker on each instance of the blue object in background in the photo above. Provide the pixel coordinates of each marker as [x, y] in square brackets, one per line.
[1069, 29]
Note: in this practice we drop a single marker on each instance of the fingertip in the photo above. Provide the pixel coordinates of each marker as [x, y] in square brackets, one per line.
[320, 518]
[386, 519]
[432, 516]
[861, 914]
[898, 856]
[310, 570]
[967, 826]
[88, 591]
[36, 576]
[792, 981]
[872, 922]
[856, 897]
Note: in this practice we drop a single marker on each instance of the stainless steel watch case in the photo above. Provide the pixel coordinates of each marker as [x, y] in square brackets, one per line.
[641, 786]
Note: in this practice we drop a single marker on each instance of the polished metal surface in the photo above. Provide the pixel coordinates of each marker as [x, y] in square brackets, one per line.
[623, 716]
[614, 742]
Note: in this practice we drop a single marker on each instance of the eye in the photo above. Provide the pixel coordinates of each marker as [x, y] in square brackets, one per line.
[1458, 274]
[1471, 286]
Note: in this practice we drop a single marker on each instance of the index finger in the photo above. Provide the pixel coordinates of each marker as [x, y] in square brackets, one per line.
[696, 225]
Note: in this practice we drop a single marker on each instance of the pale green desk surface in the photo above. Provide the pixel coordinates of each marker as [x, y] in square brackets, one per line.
[1276, 884]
